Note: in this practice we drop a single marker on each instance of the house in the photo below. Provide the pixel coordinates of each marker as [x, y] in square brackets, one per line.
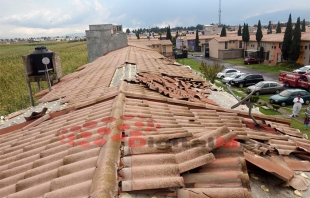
[304, 58]
[134, 123]
[226, 47]
[272, 44]
[163, 47]
[188, 41]
[211, 29]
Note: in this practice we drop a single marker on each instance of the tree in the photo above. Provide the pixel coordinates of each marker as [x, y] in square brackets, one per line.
[169, 37]
[223, 32]
[199, 27]
[127, 31]
[295, 46]
[245, 34]
[138, 35]
[159, 33]
[259, 34]
[197, 41]
[239, 31]
[278, 30]
[287, 40]
[209, 71]
[303, 26]
[269, 29]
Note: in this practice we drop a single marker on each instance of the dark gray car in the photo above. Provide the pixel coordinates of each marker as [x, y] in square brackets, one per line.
[247, 80]
[266, 87]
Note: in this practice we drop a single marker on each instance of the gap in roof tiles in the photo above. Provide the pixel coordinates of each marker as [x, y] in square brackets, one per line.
[128, 71]
[11, 119]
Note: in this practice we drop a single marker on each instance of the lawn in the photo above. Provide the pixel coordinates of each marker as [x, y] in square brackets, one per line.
[14, 93]
[192, 63]
[265, 68]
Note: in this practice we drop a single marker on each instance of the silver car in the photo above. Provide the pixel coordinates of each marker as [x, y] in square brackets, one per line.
[229, 78]
[266, 87]
[227, 72]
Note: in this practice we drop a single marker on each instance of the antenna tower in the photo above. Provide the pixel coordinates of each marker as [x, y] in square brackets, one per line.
[220, 13]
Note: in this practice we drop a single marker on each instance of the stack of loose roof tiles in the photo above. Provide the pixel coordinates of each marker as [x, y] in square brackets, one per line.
[176, 87]
[136, 138]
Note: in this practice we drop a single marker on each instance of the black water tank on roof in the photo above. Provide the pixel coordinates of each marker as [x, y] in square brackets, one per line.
[36, 57]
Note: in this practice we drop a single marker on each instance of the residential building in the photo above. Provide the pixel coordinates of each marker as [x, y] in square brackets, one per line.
[226, 47]
[163, 47]
[211, 29]
[272, 44]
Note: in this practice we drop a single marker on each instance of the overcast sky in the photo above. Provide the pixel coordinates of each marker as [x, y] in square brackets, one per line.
[36, 18]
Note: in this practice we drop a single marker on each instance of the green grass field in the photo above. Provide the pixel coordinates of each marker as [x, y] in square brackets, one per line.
[265, 68]
[13, 87]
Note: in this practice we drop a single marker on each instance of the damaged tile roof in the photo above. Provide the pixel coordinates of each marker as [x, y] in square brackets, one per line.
[155, 133]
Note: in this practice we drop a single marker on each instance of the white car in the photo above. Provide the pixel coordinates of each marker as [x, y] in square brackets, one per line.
[229, 78]
[227, 72]
[303, 70]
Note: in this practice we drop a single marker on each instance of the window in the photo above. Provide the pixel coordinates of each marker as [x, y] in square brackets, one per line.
[226, 45]
[302, 93]
[274, 47]
[306, 46]
[273, 84]
[271, 47]
[240, 44]
[229, 41]
[280, 45]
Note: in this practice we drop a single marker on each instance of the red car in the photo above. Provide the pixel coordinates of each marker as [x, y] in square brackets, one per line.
[250, 60]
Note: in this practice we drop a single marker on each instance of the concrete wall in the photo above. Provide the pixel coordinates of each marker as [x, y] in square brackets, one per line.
[102, 39]
[229, 54]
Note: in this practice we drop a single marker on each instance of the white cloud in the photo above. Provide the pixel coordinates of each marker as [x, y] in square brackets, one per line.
[173, 23]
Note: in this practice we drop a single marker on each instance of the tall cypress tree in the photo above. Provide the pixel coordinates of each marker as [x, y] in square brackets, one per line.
[295, 46]
[278, 30]
[196, 41]
[269, 31]
[287, 40]
[239, 31]
[259, 34]
[245, 35]
[169, 37]
[223, 32]
[303, 26]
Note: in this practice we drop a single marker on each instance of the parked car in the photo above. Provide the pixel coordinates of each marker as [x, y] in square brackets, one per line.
[230, 78]
[247, 80]
[303, 70]
[266, 87]
[287, 96]
[228, 72]
[250, 60]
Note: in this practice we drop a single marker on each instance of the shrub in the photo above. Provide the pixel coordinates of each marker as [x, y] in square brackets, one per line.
[275, 107]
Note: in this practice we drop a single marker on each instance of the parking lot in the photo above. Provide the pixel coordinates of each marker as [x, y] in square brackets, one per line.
[227, 100]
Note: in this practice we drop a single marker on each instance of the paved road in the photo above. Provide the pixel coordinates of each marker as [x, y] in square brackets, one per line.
[266, 75]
